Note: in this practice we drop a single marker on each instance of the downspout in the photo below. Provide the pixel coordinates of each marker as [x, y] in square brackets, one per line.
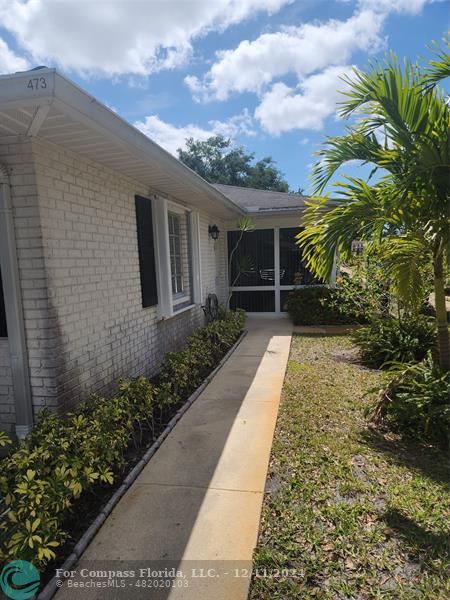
[14, 313]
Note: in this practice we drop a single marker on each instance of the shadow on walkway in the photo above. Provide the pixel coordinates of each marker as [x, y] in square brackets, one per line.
[197, 504]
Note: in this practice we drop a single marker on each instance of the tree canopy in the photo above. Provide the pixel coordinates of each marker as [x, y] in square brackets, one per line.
[217, 161]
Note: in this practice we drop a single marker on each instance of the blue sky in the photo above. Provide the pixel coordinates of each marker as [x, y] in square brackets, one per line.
[263, 72]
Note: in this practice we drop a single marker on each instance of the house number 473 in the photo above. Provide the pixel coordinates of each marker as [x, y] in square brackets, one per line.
[37, 83]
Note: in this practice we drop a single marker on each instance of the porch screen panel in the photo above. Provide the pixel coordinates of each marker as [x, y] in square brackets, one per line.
[293, 269]
[256, 254]
[3, 329]
[254, 301]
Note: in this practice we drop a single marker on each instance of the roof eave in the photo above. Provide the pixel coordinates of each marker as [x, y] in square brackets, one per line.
[273, 212]
[71, 99]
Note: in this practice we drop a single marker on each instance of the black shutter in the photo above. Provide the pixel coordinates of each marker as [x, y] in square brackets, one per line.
[146, 247]
[3, 329]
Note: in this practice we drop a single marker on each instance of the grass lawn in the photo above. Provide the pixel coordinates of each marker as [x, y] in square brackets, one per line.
[358, 515]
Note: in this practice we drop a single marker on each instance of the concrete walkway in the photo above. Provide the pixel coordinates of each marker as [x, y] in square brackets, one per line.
[196, 505]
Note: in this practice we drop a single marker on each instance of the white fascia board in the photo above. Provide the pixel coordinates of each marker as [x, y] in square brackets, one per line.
[267, 214]
[263, 220]
[33, 88]
[86, 108]
[46, 86]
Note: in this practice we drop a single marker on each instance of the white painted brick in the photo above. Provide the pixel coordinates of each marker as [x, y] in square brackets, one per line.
[7, 412]
[78, 258]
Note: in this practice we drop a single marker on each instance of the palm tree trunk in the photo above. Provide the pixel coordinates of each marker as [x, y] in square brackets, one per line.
[441, 314]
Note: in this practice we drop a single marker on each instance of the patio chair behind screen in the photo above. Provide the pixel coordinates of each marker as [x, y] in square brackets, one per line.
[269, 274]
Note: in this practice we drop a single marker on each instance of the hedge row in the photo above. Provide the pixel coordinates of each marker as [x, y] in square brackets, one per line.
[322, 306]
[65, 457]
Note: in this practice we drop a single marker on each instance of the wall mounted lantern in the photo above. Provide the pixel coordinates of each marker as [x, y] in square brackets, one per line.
[213, 231]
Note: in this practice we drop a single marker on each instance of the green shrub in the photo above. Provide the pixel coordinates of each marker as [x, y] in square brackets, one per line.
[390, 340]
[355, 299]
[59, 460]
[416, 402]
[359, 300]
[64, 457]
[309, 306]
[324, 306]
[182, 372]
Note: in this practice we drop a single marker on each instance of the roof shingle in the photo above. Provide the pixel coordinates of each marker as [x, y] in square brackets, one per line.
[253, 200]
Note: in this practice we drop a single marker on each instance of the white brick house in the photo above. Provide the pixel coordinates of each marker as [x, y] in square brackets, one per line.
[105, 252]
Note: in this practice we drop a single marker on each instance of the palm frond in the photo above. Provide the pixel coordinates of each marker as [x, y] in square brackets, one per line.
[438, 68]
[401, 128]
[391, 95]
[361, 212]
[336, 151]
[404, 258]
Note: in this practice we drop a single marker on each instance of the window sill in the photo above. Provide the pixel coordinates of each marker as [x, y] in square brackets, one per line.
[182, 310]
[177, 312]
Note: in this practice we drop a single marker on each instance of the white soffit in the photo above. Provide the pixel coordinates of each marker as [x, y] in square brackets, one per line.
[42, 103]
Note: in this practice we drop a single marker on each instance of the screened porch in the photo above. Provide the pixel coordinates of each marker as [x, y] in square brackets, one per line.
[265, 266]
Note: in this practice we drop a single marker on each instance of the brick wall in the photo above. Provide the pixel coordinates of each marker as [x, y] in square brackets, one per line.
[7, 412]
[213, 259]
[78, 261]
[96, 321]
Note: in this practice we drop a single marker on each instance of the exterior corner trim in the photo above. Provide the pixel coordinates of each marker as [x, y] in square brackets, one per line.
[14, 311]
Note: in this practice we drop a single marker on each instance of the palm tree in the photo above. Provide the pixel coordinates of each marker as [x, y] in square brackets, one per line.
[438, 68]
[402, 130]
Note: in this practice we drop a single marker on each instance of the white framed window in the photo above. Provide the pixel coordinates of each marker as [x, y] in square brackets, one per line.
[178, 261]
[175, 249]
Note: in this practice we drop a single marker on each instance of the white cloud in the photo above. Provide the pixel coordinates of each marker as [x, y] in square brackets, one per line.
[10, 62]
[283, 108]
[171, 137]
[401, 6]
[300, 50]
[120, 36]
[317, 53]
